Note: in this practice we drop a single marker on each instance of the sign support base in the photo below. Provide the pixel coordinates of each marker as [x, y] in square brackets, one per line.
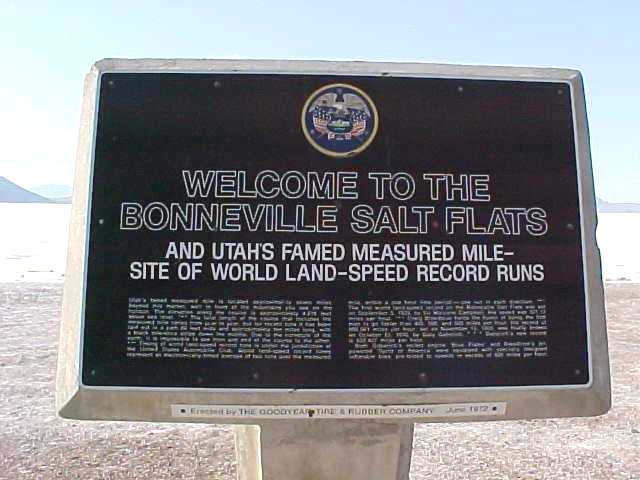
[326, 450]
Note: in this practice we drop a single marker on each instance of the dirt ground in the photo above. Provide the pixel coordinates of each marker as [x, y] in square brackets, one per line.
[34, 443]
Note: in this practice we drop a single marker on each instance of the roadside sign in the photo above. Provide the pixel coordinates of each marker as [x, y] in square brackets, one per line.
[317, 237]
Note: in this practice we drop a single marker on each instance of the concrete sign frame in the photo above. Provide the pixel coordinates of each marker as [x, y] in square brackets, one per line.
[77, 400]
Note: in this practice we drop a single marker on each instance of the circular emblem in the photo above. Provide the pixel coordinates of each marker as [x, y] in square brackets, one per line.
[339, 120]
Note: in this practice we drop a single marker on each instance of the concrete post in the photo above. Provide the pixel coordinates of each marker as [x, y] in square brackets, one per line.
[325, 450]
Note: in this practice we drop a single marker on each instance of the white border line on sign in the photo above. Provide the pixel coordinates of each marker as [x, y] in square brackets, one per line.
[364, 390]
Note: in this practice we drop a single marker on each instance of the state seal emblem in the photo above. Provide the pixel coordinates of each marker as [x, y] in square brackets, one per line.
[339, 120]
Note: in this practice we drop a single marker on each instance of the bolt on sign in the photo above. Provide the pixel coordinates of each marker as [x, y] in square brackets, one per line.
[280, 239]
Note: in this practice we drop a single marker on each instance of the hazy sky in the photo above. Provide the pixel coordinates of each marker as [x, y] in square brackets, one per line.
[46, 48]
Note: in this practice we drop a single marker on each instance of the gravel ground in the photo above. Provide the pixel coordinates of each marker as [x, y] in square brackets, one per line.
[34, 443]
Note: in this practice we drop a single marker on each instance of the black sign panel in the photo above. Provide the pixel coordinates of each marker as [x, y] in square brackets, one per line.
[312, 231]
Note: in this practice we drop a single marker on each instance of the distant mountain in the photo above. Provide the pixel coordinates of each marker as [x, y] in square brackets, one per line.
[61, 200]
[52, 190]
[608, 207]
[12, 193]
